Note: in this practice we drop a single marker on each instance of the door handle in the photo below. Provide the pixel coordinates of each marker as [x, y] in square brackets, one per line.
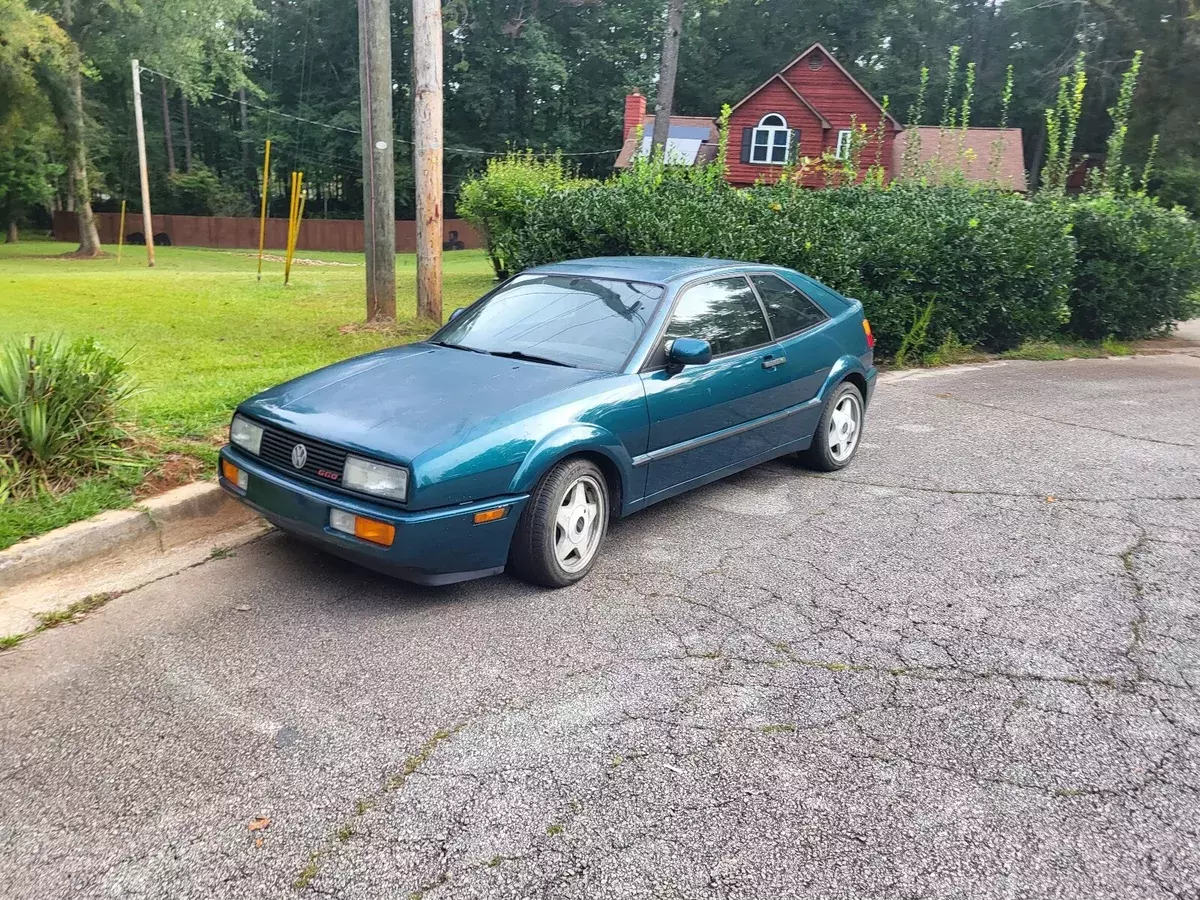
[770, 362]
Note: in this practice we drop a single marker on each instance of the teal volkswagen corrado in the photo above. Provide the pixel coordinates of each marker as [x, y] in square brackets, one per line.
[568, 396]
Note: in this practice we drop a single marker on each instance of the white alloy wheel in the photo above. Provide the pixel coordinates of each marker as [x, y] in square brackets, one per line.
[844, 427]
[579, 524]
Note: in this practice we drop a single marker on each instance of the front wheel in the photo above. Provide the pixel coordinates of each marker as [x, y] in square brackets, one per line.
[561, 529]
[838, 431]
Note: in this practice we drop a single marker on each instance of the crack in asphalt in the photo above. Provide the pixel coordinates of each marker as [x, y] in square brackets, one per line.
[1053, 421]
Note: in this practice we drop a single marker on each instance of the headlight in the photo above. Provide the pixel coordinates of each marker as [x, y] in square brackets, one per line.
[375, 478]
[245, 434]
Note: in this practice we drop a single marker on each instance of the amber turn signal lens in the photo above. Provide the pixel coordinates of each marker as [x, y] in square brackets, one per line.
[870, 336]
[491, 515]
[380, 533]
[233, 474]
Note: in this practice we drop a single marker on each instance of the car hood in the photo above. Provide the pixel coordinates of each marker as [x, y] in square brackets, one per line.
[397, 403]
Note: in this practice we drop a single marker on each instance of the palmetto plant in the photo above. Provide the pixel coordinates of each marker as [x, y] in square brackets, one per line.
[60, 410]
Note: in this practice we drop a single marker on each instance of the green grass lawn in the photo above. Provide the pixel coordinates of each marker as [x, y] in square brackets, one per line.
[202, 332]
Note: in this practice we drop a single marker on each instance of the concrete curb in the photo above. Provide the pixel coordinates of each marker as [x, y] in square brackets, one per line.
[177, 517]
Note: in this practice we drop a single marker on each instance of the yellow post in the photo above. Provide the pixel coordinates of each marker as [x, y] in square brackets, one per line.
[294, 223]
[121, 232]
[287, 244]
[262, 213]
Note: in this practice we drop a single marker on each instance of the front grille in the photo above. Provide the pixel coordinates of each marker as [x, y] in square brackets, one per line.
[276, 450]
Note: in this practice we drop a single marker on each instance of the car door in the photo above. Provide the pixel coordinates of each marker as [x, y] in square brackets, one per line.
[801, 328]
[707, 417]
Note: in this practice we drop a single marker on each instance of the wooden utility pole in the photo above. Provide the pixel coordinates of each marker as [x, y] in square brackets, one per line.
[427, 154]
[147, 221]
[668, 65]
[379, 179]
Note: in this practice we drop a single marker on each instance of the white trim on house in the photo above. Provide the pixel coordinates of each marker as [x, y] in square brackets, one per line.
[843, 144]
[770, 141]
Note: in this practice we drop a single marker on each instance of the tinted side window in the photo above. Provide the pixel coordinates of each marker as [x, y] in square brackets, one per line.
[723, 312]
[790, 310]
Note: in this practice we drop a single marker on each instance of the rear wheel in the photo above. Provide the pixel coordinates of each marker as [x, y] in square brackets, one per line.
[562, 527]
[838, 431]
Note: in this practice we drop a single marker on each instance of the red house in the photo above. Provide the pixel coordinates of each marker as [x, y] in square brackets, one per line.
[807, 108]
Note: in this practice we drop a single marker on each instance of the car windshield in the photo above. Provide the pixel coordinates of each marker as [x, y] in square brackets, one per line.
[570, 320]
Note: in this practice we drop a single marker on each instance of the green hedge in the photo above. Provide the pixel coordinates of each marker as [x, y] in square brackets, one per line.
[994, 269]
[1137, 268]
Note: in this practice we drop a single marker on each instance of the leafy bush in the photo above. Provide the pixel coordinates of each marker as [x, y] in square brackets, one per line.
[995, 267]
[1138, 267]
[60, 407]
[1179, 184]
[495, 200]
[201, 193]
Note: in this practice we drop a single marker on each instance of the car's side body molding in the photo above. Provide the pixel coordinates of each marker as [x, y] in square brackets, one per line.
[713, 437]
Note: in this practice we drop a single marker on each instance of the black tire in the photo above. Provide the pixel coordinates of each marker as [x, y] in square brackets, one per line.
[532, 556]
[820, 456]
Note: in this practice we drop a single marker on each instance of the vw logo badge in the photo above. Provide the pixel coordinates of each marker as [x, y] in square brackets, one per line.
[299, 456]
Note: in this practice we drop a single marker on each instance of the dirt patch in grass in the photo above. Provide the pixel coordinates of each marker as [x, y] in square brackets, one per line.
[303, 260]
[174, 470]
[408, 329]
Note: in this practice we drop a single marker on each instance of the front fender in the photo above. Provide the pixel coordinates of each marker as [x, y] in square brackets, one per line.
[578, 437]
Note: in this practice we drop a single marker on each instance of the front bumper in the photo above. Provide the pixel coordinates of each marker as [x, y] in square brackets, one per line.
[435, 546]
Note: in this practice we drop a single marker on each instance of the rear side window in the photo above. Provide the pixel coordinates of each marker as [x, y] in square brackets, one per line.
[724, 312]
[790, 310]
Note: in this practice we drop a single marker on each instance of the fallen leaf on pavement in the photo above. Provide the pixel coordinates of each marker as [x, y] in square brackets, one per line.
[258, 823]
[241, 609]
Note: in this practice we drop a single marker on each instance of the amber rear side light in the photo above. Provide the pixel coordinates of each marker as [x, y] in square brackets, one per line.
[870, 336]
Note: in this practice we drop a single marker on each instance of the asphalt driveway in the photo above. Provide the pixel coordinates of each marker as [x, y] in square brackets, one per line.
[965, 667]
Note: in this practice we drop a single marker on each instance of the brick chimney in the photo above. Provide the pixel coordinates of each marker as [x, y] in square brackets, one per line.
[635, 113]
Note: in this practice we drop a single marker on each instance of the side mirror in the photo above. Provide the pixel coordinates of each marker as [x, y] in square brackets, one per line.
[458, 312]
[686, 351]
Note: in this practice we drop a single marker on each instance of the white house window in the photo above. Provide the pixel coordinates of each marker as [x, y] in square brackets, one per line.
[771, 140]
[843, 144]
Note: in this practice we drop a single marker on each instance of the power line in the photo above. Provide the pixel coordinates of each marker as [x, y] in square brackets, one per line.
[356, 131]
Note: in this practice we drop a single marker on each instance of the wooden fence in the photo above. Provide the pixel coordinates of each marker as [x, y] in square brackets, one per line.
[242, 233]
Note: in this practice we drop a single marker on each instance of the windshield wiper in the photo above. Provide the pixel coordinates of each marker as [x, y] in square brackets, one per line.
[518, 354]
[455, 346]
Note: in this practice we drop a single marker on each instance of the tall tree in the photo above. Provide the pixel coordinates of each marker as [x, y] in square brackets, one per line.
[72, 116]
[668, 66]
[166, 116]
[29, 145]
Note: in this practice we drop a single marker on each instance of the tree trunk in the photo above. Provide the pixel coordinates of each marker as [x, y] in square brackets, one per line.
[665, 95]
[187, 133]
[69, 201]
[166, 111]
[1036, 161]
[77, 180]
[14, 236]
[247, 164]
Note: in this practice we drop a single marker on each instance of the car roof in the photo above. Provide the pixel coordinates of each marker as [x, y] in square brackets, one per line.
[656, 269]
